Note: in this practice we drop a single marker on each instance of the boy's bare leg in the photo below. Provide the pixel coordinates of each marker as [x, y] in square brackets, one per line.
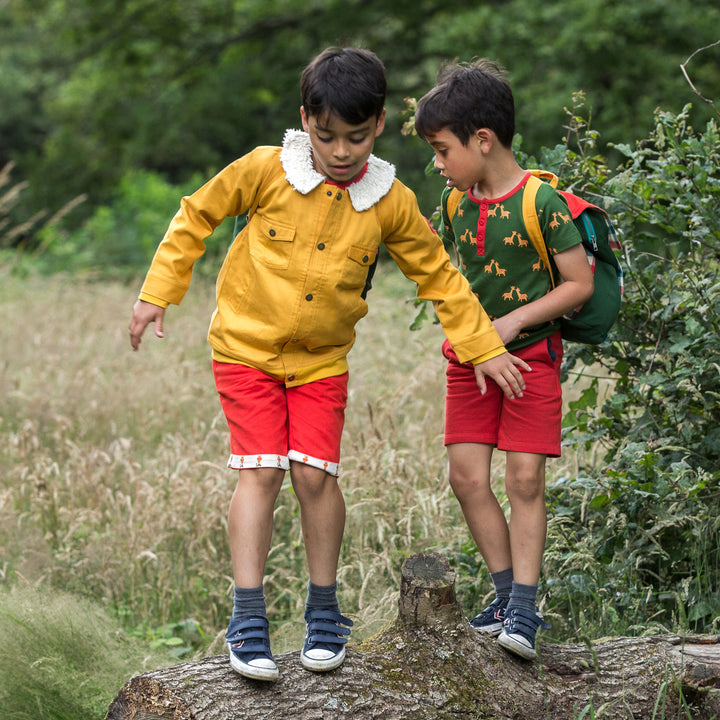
[525, 487]
[322, 515]
[470, 481]
[250, 523]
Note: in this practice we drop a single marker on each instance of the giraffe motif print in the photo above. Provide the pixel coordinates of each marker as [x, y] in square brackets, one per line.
[492, 212]
[500, 272]
[522, 297]
[467, 236]
[510, 239]
[522, 242]
[489, 266]
[554, 222]
[504, 214]
[539, 266]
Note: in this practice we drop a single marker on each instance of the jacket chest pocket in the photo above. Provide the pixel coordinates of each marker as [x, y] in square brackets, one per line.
[271, 242]
[355, 270]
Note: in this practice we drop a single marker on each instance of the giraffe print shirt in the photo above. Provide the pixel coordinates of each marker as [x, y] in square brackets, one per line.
[493, 250]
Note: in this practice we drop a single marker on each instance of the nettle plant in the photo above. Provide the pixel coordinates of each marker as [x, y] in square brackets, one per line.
[634, 543]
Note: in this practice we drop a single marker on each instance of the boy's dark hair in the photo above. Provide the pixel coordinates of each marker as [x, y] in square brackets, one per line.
[467, 97]
[349, 82]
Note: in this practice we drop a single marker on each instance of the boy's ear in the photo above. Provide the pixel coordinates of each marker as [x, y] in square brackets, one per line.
[303, 117]
[380, 123]
[485, 138]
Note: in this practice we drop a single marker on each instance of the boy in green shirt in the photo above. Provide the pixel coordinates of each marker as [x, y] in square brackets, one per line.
[469, 120]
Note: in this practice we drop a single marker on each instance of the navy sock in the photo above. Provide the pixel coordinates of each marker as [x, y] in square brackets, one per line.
[322, 596]
[523, 596]
[502, 581]
[247, 602]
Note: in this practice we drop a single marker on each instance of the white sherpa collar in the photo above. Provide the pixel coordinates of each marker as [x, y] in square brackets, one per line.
[296, 159]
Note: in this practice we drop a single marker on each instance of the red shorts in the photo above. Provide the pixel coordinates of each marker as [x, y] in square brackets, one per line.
[271, 424]
[530, 424]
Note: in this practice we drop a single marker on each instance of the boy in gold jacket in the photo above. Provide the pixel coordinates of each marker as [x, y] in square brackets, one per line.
[289, 294]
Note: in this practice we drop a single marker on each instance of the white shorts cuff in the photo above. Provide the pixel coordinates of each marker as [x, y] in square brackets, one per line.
[242, 462]
[328, 467]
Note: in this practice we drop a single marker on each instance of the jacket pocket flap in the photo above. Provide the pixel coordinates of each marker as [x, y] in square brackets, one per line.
[361, 255]
[273, 230]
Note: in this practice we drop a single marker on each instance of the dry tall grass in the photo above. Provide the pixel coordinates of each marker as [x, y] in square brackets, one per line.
[114, 483]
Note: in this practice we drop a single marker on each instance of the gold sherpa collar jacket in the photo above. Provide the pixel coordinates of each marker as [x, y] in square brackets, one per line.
[289, 292]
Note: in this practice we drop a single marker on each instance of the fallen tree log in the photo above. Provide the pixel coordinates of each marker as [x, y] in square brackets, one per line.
[431, 665]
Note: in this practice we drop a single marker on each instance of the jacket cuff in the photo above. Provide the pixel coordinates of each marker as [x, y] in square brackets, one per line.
[145, 297]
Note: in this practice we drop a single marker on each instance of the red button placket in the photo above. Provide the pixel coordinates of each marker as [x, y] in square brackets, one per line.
[481, 227]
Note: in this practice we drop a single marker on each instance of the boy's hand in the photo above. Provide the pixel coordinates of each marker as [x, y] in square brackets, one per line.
[504, 370]
[145, 313]
[508, 327]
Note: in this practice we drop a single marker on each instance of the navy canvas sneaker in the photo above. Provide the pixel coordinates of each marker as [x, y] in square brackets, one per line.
[249, 644]
[519, 630]
[490, 620]
[327, 634]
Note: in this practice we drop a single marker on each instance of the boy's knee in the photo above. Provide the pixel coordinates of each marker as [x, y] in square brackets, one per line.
[525, 486]
[464, 482]
[308, 480]
[267, 480]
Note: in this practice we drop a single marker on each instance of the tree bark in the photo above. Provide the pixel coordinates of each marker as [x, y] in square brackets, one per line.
[431, 665]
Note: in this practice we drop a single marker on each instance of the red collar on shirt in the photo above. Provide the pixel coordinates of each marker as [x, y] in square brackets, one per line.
[346, 185]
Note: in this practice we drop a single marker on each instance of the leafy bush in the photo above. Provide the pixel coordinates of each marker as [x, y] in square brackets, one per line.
[117, 239]
[640, 524]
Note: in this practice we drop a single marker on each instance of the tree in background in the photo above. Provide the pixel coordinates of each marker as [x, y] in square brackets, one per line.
[90, 90]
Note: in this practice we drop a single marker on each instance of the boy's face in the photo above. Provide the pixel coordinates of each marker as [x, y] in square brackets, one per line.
[340, 150]
[462, 165]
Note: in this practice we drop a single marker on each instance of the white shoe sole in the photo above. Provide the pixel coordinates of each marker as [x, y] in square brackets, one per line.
[319, 664]
[262, 670]
[509, 642]
[494, 630]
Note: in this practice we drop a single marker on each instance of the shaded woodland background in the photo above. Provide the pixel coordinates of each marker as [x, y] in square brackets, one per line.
[92, 90]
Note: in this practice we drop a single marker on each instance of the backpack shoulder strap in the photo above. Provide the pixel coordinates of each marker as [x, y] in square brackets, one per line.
[549, 177]
[532, 224]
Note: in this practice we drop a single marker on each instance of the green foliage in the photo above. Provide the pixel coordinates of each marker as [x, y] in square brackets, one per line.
[120, 237]
[639, 525]
[181, 639]
[62, 657]
[90, 90]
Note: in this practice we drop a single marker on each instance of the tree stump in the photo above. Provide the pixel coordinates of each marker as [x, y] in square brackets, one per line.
[431, 665]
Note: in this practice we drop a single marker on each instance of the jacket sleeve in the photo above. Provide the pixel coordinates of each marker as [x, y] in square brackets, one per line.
[230, 193]
[420, 255]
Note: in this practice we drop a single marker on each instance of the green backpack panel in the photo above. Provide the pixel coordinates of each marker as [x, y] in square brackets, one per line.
[591, 322]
